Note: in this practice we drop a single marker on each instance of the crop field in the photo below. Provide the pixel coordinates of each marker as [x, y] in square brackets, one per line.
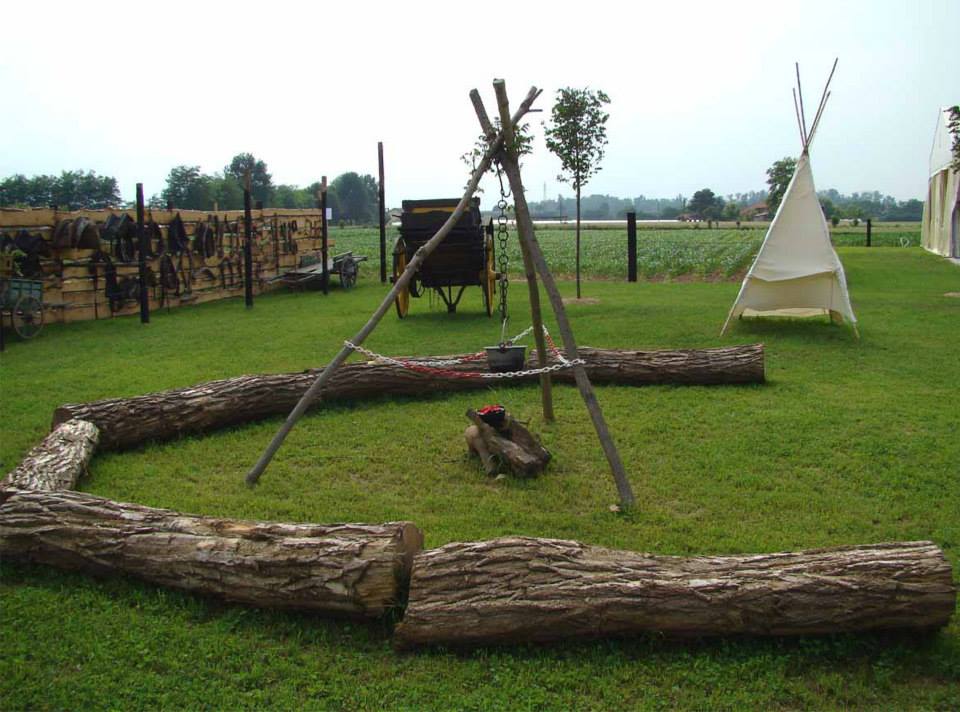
[848, 442]
[662, 252]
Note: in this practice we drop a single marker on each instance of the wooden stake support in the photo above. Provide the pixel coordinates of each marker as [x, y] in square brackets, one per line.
[508, 161]
[401, 283]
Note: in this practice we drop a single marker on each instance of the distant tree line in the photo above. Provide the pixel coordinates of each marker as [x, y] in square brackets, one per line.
[70, 190]
[707, 205]
[353, 197]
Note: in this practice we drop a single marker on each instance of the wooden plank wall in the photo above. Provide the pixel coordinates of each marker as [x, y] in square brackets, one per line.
[75, 282]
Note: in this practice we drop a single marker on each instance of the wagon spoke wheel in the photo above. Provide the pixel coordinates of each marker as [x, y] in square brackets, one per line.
[488, 278]
[27, 316]
[402, 300]
[348, 273]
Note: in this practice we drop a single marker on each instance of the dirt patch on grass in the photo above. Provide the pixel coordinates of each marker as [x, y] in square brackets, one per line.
[952, 294]
[581, 300]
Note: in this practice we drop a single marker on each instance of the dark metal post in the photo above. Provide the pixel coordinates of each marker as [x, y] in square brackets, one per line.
[247, 244]
[869, 230]
[324, 235]
[170, 206]
[383, 216]
[142, 246]
[631, 247]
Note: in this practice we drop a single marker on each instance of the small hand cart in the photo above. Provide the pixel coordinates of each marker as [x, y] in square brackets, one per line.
[310, 272]
[22, 301]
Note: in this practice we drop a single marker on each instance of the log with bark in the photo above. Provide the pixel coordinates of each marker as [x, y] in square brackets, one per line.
[59, 460]
[508, 445]
[128, 422]
[345, 569]
[519, 589]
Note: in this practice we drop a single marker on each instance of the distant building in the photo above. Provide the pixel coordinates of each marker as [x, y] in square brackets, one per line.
[757, 211]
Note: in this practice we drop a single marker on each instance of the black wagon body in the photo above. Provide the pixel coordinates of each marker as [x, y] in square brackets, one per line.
[464, 259]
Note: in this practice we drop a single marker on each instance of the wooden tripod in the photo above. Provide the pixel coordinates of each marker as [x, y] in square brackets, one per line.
[501, 148]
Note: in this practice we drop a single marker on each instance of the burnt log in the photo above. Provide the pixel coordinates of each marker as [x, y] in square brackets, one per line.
[128, 422]
[59, 460]
[344, 569]
[508, 445]
[519, 589]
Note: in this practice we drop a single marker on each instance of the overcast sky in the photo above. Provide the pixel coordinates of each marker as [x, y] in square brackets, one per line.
[700, 91]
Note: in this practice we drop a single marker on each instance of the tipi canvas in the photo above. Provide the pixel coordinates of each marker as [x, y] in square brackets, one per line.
[797, 272]
[940, 231]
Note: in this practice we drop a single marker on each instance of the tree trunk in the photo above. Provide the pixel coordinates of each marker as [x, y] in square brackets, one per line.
[518, 590]
[513, 445]
[128, 422]
[578, 241]
[59, 461]
[349, 569]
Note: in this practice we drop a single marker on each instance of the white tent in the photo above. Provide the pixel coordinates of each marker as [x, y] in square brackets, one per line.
[940, 230]
[797, 272]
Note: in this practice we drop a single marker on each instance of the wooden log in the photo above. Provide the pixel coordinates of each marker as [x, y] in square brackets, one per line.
[127, 422]
[519, 589]
[349, 569]
[510, 445]
[59, 461]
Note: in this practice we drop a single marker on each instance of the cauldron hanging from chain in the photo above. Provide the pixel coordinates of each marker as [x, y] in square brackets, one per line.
[505, 357]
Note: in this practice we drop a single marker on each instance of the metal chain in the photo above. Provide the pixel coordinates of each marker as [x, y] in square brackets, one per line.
[414, 365]
[503, 263]
[432, 366]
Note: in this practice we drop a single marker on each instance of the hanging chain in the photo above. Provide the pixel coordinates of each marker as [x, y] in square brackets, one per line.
[503, 263]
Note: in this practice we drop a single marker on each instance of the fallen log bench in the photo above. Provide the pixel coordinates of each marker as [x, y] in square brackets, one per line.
[129, 422]
[521, 590]
[342, 569]
[59, 460]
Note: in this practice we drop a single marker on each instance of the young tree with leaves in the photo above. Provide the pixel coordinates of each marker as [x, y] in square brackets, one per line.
[779, 176]
[577, 135]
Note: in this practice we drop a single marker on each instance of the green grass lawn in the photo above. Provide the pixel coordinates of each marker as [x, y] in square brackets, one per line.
[848, 442]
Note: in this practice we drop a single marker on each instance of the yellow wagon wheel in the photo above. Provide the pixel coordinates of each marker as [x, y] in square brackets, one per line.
[488, 278]
[402, 300]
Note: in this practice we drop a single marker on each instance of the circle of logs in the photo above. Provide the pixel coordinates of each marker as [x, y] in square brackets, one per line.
[508, 590]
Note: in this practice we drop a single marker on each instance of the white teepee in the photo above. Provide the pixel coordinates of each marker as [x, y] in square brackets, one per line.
[941, 211]
[797, 272]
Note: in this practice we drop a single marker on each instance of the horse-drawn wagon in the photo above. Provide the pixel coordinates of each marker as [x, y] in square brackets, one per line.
[464, 259]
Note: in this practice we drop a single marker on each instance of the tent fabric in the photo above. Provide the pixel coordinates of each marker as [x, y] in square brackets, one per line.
[797, 272]
[940, 229]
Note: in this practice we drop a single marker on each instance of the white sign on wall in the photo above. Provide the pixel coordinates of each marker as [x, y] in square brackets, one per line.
[329, 213]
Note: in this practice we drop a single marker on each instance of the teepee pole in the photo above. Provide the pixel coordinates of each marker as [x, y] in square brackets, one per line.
[796, 109]
[511, 167]
[314, 391]
[803, 117]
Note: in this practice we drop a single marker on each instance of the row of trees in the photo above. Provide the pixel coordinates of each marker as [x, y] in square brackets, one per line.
[351, 196]
[71, 189]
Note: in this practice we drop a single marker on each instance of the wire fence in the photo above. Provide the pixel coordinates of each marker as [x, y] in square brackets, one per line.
[698, 253]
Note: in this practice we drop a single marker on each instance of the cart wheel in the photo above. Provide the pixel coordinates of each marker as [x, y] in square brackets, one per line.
[348, 273]
[27, 316]
[402, 300]
[488, 278]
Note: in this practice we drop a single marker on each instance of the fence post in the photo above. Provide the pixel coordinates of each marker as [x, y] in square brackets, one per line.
[142, 246]
[869, 230]
[631, 247]
[247, 244]
[324, 235]
[383, 217]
